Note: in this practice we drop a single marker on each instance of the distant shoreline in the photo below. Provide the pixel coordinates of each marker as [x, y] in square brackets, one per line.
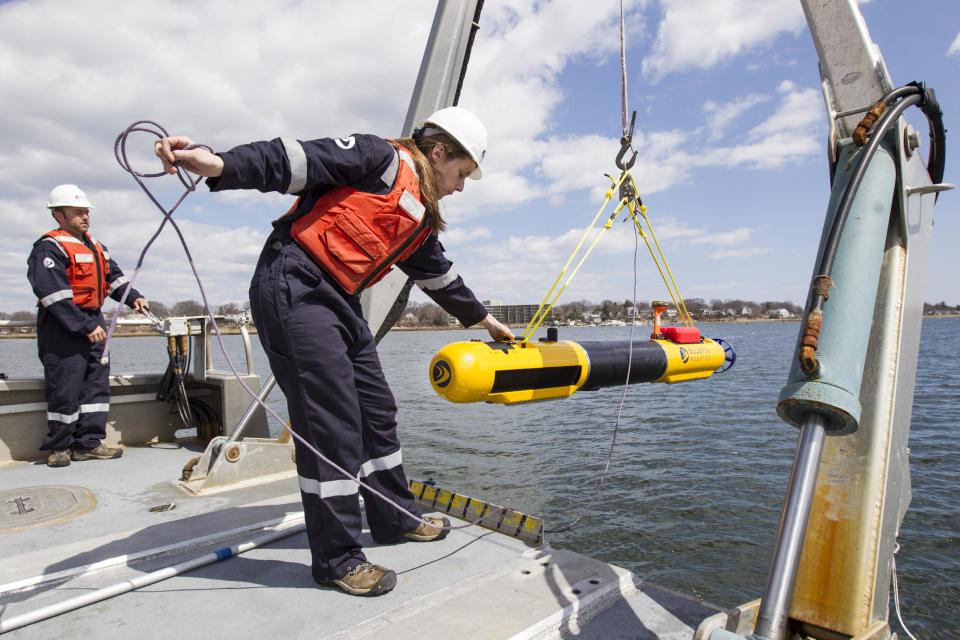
[143, 334]
[119, 334]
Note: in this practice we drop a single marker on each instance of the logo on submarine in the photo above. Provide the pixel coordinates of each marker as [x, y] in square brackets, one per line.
[684, 356]
[441, 374]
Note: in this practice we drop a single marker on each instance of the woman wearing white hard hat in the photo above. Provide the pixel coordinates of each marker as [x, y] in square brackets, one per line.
[364, 204]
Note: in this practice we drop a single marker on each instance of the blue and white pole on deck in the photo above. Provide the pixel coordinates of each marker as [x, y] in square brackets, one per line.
[147, 579]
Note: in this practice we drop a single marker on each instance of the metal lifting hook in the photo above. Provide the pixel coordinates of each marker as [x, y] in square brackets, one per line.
[625, 145]
[628, 193]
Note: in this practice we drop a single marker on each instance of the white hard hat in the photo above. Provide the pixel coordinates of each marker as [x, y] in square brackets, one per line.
[68, 195]
[464, 127]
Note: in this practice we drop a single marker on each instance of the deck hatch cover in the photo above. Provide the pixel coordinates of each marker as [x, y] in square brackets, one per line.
[31, 507]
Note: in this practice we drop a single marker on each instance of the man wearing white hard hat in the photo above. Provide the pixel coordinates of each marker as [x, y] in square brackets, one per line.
[364, 204]
[72, 274]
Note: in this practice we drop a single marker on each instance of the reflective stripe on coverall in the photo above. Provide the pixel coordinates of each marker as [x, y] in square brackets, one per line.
[320, 348]
[76, 384]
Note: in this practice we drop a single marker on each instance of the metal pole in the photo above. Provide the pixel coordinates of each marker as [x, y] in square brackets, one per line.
[247, 348]
[441, 74]
[125, 586]
[265, 390]
[442, 66]
[775, 607]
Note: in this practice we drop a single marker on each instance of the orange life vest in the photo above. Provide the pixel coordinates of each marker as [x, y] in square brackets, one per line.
[88, 270]
[357, 237]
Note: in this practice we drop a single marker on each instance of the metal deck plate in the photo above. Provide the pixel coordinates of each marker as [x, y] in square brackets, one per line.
[31, 507]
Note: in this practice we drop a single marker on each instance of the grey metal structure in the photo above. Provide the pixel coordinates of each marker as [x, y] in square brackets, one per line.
[857, 407]
[852, 72]
[772, 617]
[438, 86]
[472, 585]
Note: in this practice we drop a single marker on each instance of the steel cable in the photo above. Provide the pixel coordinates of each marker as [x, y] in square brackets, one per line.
[623, 398]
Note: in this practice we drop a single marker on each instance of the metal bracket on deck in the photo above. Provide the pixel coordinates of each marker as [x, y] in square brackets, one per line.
[736, 622]
[227, 465]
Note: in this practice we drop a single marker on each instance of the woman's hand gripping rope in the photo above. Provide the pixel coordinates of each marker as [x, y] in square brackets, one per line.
[180, 152]
[189, 183]
[179, 155]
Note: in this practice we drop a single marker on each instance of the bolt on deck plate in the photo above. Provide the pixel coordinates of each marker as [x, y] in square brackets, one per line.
[32, 507]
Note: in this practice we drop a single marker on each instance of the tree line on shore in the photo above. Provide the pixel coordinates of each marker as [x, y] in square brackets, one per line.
[159, 309]
[427, 314]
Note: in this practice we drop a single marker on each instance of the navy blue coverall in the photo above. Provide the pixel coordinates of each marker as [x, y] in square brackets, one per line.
[76, 384]
[321, 350]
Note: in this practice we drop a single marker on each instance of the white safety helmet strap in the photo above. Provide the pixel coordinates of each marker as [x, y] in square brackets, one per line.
[464, 127]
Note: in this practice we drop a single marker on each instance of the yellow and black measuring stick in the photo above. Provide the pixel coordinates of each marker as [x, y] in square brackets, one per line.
[515, 372]
[522, 526]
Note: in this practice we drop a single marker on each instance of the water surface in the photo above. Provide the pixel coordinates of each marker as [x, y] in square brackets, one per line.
[693, 496]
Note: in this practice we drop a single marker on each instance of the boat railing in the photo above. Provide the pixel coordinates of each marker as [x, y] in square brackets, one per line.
[197, 327]
[137, 416]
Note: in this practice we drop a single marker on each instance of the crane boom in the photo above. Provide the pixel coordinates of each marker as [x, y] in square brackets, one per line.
[831, 571]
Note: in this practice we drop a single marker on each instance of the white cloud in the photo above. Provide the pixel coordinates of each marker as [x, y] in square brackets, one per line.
[955, 47]
[800, 109]
[548, 250]
[721, 115]
[566, 164]
[745, 252]
[791, 133]
[225, 74]
[579, 162]
[543, 256]
[770, 153]
[514, 85]
[462, 235]
[699, 34]
[712, 289]
[115, 63]
[737, 236]
[733, 243]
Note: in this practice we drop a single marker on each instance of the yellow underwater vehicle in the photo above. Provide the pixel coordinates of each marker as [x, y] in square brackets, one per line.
[525, 371]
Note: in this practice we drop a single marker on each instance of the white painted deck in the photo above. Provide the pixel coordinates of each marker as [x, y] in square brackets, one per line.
[474, 584]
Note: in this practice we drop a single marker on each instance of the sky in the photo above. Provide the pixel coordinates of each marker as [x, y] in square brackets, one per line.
[731, 132]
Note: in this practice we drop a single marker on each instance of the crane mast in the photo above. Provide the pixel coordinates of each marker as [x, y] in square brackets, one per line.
[852, 398]
[438, 85]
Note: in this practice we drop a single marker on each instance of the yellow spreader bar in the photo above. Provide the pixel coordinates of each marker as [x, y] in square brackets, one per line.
[518, 525]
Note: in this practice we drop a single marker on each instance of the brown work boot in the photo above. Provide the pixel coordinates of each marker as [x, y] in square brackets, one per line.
[428, 533]
[59, 458]
[100, 452]
[366, 579]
